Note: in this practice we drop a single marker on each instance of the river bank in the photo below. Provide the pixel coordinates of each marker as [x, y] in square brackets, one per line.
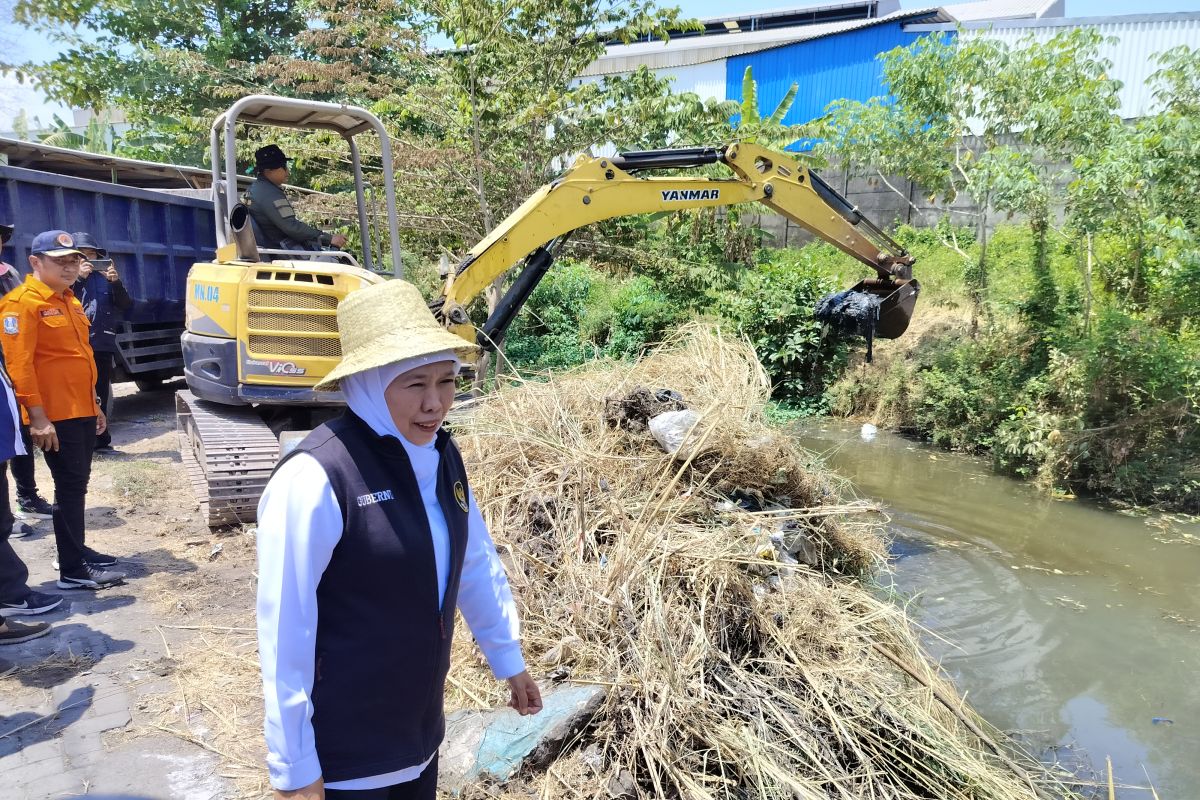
[727, 665]
[1074, 626]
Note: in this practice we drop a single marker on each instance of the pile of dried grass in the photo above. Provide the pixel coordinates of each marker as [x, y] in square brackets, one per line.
[730, 674]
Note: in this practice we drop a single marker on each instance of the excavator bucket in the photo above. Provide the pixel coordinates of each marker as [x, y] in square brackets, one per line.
[873, 308]
[897, 299]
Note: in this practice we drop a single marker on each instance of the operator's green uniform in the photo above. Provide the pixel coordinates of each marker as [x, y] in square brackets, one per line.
[277, 220]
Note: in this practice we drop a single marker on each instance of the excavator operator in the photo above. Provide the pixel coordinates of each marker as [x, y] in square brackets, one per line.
[278, 226]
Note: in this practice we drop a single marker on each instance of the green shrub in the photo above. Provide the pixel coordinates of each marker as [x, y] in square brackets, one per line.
[772, 306]
[578, 313]
[1112, 413]
[1140, 437]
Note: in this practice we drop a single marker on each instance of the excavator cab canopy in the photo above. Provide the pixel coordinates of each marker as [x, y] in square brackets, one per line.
[285, 112]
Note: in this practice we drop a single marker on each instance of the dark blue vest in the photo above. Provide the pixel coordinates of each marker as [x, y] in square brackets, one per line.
[383, 646]
[100, 301]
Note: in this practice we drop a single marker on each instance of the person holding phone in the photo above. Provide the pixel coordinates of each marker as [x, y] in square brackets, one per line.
[104, 299]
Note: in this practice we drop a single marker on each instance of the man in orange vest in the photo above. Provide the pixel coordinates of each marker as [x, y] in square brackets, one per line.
[45, 340]
[30, 504]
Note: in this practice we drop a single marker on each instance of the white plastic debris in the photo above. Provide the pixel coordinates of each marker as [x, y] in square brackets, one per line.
[672, 428]
[868, 432]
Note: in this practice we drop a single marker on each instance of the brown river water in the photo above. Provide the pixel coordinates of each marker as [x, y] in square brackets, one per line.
[1074, 627]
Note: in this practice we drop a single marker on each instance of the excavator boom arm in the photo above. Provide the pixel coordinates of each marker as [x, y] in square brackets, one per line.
[596, 189]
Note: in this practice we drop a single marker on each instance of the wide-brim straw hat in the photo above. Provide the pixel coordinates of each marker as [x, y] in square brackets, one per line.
[386, 323]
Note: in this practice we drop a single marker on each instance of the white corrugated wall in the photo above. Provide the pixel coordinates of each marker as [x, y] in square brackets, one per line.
[1132, 56]
[706, 80]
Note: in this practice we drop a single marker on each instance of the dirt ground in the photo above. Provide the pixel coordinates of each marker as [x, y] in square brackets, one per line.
[146, 690]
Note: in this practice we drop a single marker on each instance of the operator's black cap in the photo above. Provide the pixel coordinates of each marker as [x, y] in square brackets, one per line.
[269, 157]
[6, 232]
[85, 239]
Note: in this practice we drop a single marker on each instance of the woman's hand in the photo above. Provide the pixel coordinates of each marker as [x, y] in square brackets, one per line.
[314, 791]
[526, 696]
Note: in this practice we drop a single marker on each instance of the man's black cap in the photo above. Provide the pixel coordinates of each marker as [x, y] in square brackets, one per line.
[6, 232]
[85, 239]
[269, 157]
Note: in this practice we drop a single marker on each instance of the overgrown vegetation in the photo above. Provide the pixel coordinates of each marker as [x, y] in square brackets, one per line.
[1078, 368]
[1084, 370]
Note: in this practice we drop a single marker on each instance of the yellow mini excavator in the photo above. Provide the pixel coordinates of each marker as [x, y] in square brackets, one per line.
[262, 324]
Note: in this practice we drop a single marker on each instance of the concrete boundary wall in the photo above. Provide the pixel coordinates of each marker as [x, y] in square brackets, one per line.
[889, 202]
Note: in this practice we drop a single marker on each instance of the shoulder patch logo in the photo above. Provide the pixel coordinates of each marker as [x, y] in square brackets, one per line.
[11, 326]
[460, 494]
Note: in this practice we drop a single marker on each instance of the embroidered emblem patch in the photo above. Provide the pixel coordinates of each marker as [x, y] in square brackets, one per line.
[65, 240]
[10, 325]
[460, 494]
[51, 312]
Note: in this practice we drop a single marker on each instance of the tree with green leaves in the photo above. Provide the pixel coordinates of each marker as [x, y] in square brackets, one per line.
[1136, 201]
[167, 65]
[979, 118]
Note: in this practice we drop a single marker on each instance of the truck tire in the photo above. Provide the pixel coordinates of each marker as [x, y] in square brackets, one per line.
[150, 383]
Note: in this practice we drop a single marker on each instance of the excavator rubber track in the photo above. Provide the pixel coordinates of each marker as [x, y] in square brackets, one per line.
[229, 453]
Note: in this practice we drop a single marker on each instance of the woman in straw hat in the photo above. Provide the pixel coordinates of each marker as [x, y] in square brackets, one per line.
[368, 537]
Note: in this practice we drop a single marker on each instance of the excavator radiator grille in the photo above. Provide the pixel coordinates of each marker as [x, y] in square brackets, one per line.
[261, 344]
[275, 298]
[291, 323]
[283, 323]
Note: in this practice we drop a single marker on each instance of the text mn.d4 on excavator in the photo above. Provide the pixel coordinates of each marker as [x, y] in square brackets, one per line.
[261, 325]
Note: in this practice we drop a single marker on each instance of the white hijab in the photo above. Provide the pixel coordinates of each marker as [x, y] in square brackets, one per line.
[364, 391]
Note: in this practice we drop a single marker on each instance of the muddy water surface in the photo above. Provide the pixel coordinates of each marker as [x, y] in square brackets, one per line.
[1076, 626]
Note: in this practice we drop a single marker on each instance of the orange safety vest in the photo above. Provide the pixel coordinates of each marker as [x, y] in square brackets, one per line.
[45, 341]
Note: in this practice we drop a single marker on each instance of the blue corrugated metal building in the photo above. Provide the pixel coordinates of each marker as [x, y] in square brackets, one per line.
[830, 60]
[839, 66]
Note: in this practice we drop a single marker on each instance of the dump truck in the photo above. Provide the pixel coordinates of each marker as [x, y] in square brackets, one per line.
[154, 238]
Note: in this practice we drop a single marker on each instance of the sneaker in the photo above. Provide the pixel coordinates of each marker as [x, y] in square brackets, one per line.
[88, 577]
[35, 603]
[34, 507]
[92, 559]
[20, 530]
[96, 559]
[106, 450]
[15, 632]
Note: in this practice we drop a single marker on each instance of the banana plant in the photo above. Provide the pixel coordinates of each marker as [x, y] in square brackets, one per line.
[97, 137]
[770, 130]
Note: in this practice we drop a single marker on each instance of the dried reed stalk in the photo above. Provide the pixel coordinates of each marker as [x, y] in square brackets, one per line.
[730, 674]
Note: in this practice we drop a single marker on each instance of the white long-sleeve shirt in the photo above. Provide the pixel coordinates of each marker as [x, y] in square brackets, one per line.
[299, 524]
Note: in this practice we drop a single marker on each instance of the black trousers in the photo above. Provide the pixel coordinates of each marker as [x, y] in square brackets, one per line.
[71, 466]
[104, 372]
[13, 572]
[22, 468]
[423, 788]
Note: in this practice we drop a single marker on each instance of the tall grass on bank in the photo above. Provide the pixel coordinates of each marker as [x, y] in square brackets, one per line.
[730, 672]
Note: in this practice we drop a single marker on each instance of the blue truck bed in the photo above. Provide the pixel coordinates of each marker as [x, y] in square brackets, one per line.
[154, 237]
